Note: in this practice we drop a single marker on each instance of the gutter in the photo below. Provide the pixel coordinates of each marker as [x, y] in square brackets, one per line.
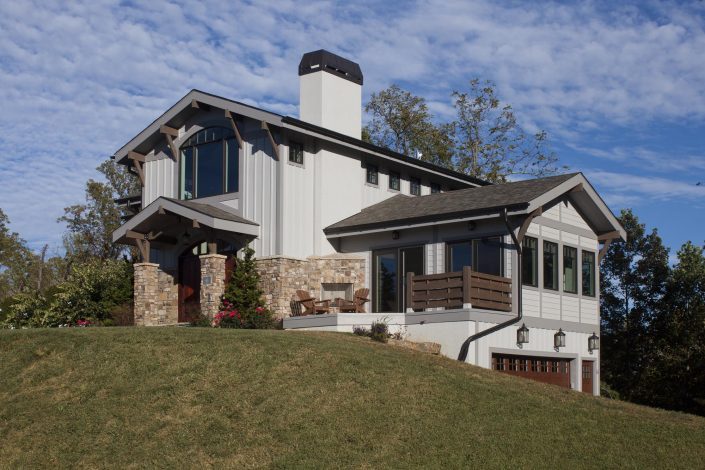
[462, 356]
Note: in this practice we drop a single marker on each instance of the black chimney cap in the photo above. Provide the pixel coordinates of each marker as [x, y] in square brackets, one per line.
[327, 61]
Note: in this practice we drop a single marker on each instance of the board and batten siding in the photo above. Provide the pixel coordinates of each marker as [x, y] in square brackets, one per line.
[160, 180]
[572, 230]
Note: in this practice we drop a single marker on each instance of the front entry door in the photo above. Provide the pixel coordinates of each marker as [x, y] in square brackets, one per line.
[189, 286]
[587, 376]
[389, 277]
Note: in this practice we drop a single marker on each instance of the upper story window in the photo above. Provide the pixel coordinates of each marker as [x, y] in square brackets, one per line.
[296, 153]
[394, 181]
[588, 273]
[435, 188]
[415, 186]
[550, 265]
[530, 262]
[372, 175]
[484, 255]
[209, 164]
[570, 269]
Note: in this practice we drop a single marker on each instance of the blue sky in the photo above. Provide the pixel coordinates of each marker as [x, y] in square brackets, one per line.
[620, 90]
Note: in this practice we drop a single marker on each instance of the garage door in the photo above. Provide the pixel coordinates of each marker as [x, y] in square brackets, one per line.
[550, 370]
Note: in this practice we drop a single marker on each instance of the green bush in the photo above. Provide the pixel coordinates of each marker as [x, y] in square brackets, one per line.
[242, 305]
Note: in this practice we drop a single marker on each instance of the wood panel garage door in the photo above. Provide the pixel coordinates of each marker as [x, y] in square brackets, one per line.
[543, 369]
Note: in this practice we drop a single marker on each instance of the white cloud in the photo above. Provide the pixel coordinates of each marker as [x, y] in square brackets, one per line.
[623, 189]
[78, 79]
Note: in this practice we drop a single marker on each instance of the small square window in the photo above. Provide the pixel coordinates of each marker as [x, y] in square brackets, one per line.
[435, 188]
[394, 181]
[415, 186]
[372, 175]
[296, 153]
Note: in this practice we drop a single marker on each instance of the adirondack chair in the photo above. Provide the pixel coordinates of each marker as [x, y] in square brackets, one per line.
[295, 307]
[312, 305]
[357, 305]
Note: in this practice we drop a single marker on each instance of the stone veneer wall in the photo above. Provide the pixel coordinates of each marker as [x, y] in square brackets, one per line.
[212, 283]
[156, 296]
[281, 277]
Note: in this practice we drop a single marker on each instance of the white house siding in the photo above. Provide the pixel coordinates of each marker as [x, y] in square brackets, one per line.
[160, 180]
[259, 192]
[297, 210]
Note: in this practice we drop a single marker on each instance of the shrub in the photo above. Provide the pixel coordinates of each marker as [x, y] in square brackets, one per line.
[379, 331]
[242, 305]
[360, 331]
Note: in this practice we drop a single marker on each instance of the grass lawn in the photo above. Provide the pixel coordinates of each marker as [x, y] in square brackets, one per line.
[175, 397]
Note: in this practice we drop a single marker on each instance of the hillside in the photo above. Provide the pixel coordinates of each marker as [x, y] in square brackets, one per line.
[174, 397]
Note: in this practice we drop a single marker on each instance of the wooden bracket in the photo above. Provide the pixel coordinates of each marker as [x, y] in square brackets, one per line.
[161, 211]
[169, 134]
[525, 225]
[198, 105]
[603, 250]
[577, 188]
[238, 136]
[275, 147]
[137, 161]
[195, 224]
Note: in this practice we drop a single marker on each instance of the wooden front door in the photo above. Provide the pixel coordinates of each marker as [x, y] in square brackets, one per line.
[189, 286]
[588, 376]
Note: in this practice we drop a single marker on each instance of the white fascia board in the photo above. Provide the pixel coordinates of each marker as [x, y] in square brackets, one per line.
[185, 102]
[492, 215]
[565, 187]
[376, 154]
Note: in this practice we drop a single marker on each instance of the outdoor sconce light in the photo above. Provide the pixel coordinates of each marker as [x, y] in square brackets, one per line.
[472, 225]
[522, 335]
[395, 235]
[559, 339]
[593, 342]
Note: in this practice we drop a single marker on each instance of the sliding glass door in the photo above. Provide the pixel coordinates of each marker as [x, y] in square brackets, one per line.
[390, 268]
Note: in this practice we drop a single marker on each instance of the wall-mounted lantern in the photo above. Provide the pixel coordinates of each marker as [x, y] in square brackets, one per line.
[522, 335]
[559, 339]
[593, 342]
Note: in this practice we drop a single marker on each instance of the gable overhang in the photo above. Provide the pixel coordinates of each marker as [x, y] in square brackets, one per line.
[153, 219]
[576, 189]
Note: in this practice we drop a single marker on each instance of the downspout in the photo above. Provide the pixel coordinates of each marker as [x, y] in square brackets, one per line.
[462, 356]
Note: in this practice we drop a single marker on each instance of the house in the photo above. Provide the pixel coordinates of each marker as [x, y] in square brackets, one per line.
[502, 276]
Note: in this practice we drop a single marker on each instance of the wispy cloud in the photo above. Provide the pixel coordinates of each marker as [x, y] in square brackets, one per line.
[79, 79]
[629, 189]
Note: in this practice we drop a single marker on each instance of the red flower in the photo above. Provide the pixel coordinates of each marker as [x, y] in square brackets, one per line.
[259, 309]
[232, 314]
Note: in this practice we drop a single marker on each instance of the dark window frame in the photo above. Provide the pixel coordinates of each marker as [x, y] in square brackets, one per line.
[296, 153]
[372, 175]
[593, 276]
[394, 176]
[555, 273]
[435, 188]
[535, 261]
[567, 248]
[414, 186]
[227, 138]
[474, 242]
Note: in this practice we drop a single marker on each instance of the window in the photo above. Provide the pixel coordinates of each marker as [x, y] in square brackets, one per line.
[435, 188]
[296, 153]
[415, 186]
[394, 180]
[372, 175]
[209, 164]
[589, 273]
[530, 262]
[570, 269]
[484, 255]
[550, 265]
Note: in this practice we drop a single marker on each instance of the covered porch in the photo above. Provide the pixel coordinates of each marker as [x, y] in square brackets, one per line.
[187, 251]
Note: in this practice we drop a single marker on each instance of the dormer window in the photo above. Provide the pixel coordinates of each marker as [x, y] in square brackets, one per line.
[394, 181]
[296, 153]
[209, 164]
[435, 188]
[415, 186]
[372, 175]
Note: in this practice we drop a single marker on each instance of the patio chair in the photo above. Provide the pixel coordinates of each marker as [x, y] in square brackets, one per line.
[295, 307]
[312, 305]
[357, 305]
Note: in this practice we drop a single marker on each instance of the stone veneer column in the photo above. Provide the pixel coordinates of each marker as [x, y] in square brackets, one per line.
[212, 283]
[146, 293]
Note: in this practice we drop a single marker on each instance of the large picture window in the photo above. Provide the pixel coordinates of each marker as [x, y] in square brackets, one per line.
[588, 273]
[550, 265]
[482, 255]
[209, 164]
[570, 269]
[530, 262]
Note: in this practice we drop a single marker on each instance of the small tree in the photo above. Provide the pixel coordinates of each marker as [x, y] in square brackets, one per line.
[242, 305]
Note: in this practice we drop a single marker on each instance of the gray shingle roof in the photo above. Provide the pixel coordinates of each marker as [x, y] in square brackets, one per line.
[449, 205]
[212, 211]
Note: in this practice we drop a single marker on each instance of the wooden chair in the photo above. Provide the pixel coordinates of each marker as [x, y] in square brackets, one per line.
[295, 308]
[357, 305]
[312, 305]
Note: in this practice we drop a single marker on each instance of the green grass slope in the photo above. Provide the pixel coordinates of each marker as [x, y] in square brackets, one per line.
[187, 397]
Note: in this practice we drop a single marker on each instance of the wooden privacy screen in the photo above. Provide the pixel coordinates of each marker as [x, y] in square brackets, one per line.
[453, 290]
